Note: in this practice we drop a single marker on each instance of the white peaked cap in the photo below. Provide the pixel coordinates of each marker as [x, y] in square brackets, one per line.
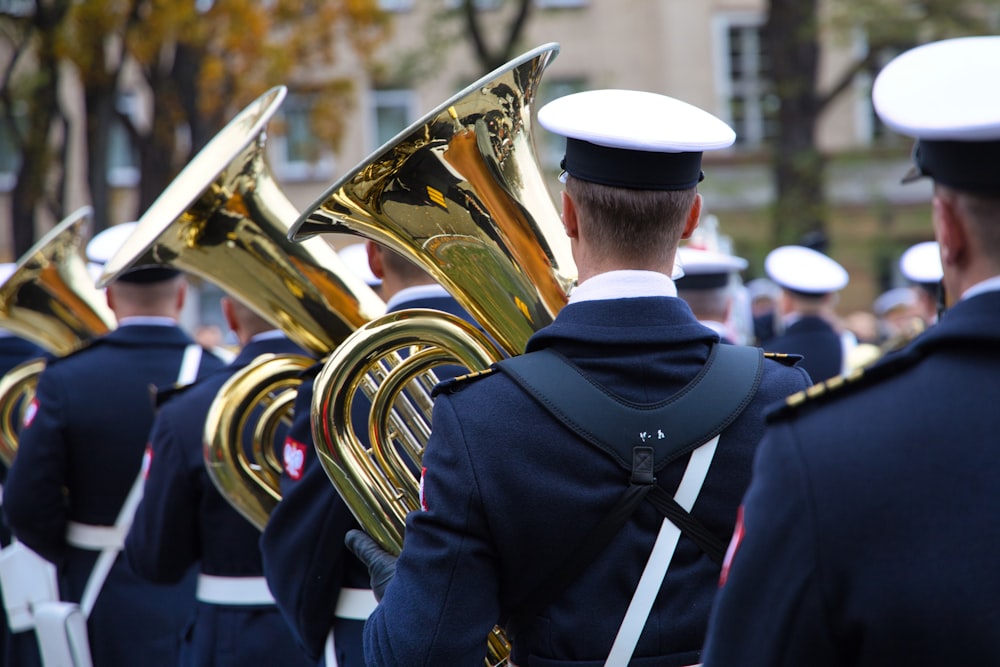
[921, 263]
[634, 139]
[805, 270]
[106, 243]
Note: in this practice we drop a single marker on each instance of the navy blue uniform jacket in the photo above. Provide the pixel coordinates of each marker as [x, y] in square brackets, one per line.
[77, 459]
[871, 530]
[305, 560]
[509, 492]
[184, 521]
[816, 340]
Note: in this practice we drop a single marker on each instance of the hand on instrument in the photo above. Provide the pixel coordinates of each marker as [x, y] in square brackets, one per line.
[381, 564]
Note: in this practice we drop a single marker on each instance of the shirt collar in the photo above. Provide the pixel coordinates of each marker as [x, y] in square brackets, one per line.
[148, 320]
[988, 285]
[433, 291]
[623, 284]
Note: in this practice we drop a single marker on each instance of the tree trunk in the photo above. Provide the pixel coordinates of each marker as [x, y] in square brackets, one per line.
[790, 36]
[37, 164]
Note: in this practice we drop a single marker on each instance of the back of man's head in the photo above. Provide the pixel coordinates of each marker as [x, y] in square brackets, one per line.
[159, 298]
[244, 321]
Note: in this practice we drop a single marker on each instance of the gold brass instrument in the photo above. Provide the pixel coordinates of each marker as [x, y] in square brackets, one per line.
[49, 299]
[461, 194]
[267, 385]
[224, 219]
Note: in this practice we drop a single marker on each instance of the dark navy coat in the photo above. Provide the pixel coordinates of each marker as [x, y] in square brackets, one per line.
[13, 351]
[871, 530]
[78, 456]
[816, 340]
[183, 521]
[305, 560]
[509, 492]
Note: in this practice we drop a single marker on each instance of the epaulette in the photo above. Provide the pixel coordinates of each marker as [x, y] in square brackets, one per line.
[784, 359]
[163, 394]
[51, 359]
[452, 385]
[844, 385]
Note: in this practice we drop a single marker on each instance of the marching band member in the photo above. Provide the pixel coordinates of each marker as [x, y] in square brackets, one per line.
[79, 459]
[869, 533]
[183, 522]
[517, 527]
[319, 585]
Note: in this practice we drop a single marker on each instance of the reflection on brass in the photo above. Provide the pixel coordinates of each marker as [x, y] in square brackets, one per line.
[461, 194]
[49, 299]
[224, 219]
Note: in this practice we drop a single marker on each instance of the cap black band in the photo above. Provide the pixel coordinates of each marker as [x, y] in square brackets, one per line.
[153, 274]
[697, 281]
[970, 166]
[627, 168]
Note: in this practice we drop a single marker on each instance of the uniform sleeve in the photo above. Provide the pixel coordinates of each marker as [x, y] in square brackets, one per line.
[443, 601]
[34, 495]
[302, 545]
[771, 610]
[163, 542]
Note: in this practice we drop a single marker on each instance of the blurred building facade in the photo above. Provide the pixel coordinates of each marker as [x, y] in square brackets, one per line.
[708, 53]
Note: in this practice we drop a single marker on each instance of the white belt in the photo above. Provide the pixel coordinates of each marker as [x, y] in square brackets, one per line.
[233, 590]
[94, 538]
[355, 604]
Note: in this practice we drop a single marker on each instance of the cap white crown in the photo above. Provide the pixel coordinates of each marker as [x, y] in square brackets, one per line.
[945, 90]
[806, 270]
[635, 120]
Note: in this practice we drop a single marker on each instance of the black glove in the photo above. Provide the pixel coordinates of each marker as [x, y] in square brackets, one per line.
[381, 564]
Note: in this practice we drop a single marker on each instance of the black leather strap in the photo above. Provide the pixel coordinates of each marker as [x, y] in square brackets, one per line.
[702, 410]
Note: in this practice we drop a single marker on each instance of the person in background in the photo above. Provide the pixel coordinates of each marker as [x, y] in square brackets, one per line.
[809, 282]
[764, 296]
[14, 350]
[517, 525]
[79, 459]
[184, 521]
[709, 281]
[921, 266]
[869, 532]
[322, 589]
[898, 313]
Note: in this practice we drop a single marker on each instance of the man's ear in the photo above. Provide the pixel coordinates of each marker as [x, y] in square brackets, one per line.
[694, 217]
[570, 221]
[948, 228]
[228, 314]
[375, 259]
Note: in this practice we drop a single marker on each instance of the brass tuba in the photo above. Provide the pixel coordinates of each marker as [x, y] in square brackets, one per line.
[49, 299]
[461, 194]
[224, 219]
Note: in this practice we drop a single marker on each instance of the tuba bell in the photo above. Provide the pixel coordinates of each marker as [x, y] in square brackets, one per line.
[49, 299]
[224, 219]
[461, 194]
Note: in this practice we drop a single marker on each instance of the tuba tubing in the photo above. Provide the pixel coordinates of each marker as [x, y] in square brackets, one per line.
[461, 194]
[225, 220]
[49, 299]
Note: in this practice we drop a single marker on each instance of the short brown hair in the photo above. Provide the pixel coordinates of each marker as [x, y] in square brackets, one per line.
[635, 224]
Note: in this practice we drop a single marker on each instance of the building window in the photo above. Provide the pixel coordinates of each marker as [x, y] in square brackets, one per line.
[552, 147]
[744, 78]
[123, 158]
[297, 154]
[393, 112]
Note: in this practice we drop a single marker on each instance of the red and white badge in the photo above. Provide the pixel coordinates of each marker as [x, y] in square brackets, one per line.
[423, 501]
[30, 412]
[147, 460]
[734, 545]
[294, 456]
